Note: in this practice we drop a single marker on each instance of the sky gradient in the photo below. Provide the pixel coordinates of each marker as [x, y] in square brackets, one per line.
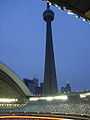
[22, 42]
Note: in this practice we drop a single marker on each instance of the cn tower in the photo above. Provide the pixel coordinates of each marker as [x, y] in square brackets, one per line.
[50, 79]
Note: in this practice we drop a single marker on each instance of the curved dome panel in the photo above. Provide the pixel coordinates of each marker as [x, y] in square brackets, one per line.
[10, 83]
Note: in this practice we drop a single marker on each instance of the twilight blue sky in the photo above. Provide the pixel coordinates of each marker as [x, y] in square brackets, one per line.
[22, 42]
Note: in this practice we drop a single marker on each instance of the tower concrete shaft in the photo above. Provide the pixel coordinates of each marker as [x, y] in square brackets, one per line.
[50, 80]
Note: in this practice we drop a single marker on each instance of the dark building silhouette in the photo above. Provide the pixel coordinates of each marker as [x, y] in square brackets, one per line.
[50, 80]
[34, 87]
[67, 88]
[41, 88]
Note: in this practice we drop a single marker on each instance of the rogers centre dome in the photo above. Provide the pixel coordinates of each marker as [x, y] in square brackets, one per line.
[12, 88]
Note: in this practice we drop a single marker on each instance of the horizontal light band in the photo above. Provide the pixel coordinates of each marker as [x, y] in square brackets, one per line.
[8, 100]
[49, 98]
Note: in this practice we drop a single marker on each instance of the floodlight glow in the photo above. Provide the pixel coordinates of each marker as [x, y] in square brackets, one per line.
[50, 3]
[69, 12]
[59, 8]
[87, 94]
[34, 99]
[8, 100]
[49, 98]
[76, 16]
[56, 5]
[82, 96]
[63, 97]
[42, 98]
[84, 19]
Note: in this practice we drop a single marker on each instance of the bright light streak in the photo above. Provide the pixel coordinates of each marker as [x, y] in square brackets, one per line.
[49, 98]
[87, 94]
[42, 98]
[83, 95]
[63, 97]
[30, 117]
[8, 100]
[34, 99]
[69, 12]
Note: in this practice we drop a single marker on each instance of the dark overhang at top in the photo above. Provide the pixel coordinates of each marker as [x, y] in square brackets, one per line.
[79, 7]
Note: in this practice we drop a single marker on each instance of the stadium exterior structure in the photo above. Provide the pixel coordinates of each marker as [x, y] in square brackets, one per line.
[80, 7]
[16, 98]
[71, 104]
[12, 89]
